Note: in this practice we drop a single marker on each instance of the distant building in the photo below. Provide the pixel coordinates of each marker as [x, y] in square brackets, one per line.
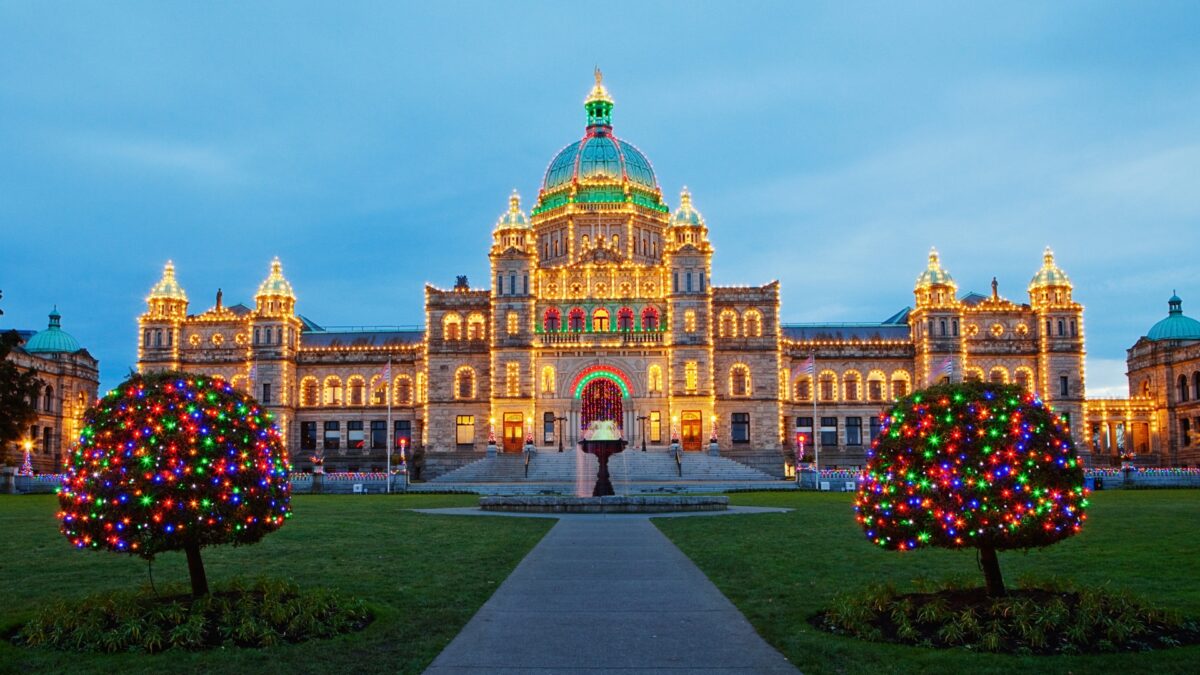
[601, 306]
[1160, 421]
[70, 378]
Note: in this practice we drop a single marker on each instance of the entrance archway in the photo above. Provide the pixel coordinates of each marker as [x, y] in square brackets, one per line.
[601, 399]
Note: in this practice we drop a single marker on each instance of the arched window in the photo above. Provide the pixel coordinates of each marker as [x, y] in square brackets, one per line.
[650, 319]
[971, 374]
[600, 320]
[587, 242]
[875, 385]
[900, 383]
[575, 319]
[850, 384]
[241, 383]
[942, 325]
[464, 383]
[752, 322]
[402, 390]
[828, 386]
[1183, 389]
[48, 400]
[379, 390]
[357, 388]
[548, 380]
[552, 321]
[513, 323]
[689, 321]
[998, 375]
[332, 394]
[475, 326]
[308, 391]
[739, 380]
[1145, 387]
[802, 388]
[654, 379]
[691, 376]
[1061, 330]
[624, 319]
[512, 378]
[452, 327]
[727, 324]
[422, 388]
[1024, 378]
[1196, 384]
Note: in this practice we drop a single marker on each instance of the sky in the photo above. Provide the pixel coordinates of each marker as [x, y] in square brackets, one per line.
[371, 146]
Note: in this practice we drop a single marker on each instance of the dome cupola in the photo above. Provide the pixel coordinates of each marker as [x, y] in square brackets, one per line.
[1176, 326]
[275, 285]
[686, 215]
[934, 275]
[1050, 275]
[168, 287]
[514, 217]
[52, 340]
[599, 168]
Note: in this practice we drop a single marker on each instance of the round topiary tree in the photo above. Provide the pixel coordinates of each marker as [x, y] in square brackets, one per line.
[174, 461]
[977, 465]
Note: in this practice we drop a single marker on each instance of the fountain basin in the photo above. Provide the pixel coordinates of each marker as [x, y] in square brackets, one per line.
[609, 504]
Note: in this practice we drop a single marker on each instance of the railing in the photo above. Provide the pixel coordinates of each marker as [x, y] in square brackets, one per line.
[581, 338]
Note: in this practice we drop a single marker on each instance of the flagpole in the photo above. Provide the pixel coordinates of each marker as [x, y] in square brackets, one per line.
[812, 378]
[387, 376]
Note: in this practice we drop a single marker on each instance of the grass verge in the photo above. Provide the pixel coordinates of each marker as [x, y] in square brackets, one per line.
[422, 577]
[780, 569]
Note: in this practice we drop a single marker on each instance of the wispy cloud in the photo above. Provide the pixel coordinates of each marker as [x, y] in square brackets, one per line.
[1106, 378]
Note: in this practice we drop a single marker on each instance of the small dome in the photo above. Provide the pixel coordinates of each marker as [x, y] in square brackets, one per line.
[514, 217]
[934, 275]
[686, 215]
[275, 284]
[168, 288]
[53, 339]
[1050, 274]
[1175, 327]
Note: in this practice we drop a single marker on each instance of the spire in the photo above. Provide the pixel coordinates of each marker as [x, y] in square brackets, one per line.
[1174, 304]
[55, 319]
[167, 287]
[275, 284]
[599, 105]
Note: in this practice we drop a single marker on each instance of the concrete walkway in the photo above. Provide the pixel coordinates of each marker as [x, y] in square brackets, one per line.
[607, 594]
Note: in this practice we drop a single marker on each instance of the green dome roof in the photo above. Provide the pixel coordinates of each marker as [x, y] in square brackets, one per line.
[52, 340]
[934, 275]
[1050, 274]
[168, 287]
[1176, 326]
[601, 167]
[686, 215]
[514, 217]
[275, 284]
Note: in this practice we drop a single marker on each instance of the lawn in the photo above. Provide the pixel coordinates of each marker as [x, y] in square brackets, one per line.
[779, 569]
[423, 577]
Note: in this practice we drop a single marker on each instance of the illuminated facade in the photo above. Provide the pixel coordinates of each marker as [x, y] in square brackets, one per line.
[600, 305]
[69, 378]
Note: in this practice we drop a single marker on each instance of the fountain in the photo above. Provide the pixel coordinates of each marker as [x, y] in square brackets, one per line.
[603, 440]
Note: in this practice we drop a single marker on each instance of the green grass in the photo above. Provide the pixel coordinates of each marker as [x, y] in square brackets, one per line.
[779, 569]
[423, 577]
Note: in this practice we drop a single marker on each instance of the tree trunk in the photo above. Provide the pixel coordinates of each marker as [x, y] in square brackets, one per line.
[991, 572]
[196, 570]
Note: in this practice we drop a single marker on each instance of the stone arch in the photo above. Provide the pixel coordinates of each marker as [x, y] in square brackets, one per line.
[356, 390]
[331, 390]
[309, 391]
[452, 326]
[464, 383]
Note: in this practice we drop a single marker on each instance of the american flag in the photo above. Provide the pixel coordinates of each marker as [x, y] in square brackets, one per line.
[947, 368]
[808, 367]
[385, 372]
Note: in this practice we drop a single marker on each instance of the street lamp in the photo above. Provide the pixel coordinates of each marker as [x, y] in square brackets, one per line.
[561, 421]
[642, 419]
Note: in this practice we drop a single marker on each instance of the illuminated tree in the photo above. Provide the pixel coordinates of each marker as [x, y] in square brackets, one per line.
[972, 465]
[175, 461]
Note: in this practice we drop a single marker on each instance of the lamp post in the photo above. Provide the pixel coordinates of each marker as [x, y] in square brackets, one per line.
[642, 419]
[561, 421]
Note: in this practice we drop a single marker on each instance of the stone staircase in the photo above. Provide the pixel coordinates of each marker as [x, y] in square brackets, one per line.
[574, 472]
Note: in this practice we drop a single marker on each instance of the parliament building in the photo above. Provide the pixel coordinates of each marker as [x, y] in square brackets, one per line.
[601, 305]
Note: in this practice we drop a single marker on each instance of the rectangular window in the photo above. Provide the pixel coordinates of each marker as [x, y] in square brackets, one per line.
[333, 435]
[675, 281]
[512, 378]
[829, 432]
[464, 429]
[308, 435]
[548, 428]
[512, 284]
[266, 395]
[689, 282]
[1064, 388]
[499, 284]
[853, 431]
[875, 428]
[702, 282]
[655, 426]
[525, 285]
[691, 376]
[1185, 432]
[403, 433]
[804, 425]
[378, 434]
[354, 435]
[739, 427]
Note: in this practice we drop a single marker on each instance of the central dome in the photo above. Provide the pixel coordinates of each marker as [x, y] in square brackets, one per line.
[599, 168]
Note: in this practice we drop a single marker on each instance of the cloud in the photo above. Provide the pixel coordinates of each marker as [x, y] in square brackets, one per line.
[1106, 378]
[186, 160]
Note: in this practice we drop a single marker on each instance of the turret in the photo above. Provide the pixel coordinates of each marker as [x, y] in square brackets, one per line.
[1060, 338]
[935, 324]
[159, 327]
[275, 336]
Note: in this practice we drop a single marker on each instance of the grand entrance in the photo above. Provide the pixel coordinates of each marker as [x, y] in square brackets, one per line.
[689, 430]
[514, 433]
[600, 399]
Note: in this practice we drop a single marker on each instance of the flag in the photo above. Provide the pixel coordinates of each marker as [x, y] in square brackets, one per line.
[385, 372]
[947, 368]
[254, 371]
[808, 367]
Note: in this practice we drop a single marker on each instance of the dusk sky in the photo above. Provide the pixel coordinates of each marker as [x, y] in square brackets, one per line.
[371, 146]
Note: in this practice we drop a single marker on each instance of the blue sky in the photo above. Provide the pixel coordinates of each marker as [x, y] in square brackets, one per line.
[372, 146]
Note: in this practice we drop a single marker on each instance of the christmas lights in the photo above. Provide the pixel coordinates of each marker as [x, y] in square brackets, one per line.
[174, 461]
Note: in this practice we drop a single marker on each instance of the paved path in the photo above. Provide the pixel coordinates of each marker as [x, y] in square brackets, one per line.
[604, 594]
